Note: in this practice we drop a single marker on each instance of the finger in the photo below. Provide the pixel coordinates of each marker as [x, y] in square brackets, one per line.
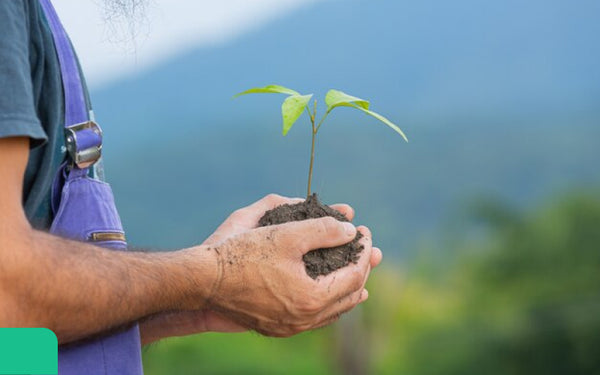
[350, 279]
[304, 236]
[376, 254]
[376, 257]
[366, 232]
[346, 305]
[360, 289]
[364, 296]
[345, 210]
[248, 216]
[215, 322]
[271, 201]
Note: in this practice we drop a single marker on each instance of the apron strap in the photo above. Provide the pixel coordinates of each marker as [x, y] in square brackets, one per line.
[83, 137]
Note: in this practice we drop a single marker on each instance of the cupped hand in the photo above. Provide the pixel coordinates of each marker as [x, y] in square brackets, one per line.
[264, 285]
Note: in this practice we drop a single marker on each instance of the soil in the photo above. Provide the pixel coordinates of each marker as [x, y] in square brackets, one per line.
[321, 261]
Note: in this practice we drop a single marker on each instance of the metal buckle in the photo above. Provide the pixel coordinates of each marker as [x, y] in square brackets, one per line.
[84, 143]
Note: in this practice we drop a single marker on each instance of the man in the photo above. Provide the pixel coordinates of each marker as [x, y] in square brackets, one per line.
[240, 278]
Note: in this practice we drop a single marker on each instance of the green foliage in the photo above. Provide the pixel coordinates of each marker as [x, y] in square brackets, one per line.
[269, 89]
[292, 108]
[384, 120]
[525, 301]
[335, 98]
[295, 104]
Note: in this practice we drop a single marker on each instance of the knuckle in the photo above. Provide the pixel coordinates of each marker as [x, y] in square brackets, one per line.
[283, 235]
[237, 213]
[272, 198]
[327, 225]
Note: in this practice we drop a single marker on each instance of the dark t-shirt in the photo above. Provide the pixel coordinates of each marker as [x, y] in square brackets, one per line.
[31, 100]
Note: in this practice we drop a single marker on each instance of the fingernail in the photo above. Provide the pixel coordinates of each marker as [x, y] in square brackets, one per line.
[350, 229]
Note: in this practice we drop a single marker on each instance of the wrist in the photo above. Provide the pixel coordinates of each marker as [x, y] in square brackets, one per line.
[200, 269]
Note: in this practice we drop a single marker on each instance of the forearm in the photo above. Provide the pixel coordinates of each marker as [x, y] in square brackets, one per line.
[77, 289]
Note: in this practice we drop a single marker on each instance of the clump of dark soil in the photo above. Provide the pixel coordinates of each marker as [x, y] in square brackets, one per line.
[321, 261]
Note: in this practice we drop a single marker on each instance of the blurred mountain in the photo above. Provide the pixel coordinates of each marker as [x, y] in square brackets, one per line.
[497, 98]
[418, 58]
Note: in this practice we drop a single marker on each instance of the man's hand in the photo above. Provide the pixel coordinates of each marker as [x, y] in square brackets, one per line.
[241, 221]
[264, 285]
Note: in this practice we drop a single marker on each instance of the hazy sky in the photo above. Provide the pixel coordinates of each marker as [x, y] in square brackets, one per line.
[171, 26]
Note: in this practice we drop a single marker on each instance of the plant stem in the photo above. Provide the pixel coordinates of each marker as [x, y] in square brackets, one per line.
[312, 148]
[321, 122]
[312, 160]
[315, 130]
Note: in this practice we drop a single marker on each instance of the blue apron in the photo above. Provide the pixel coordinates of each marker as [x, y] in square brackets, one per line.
[84, 210]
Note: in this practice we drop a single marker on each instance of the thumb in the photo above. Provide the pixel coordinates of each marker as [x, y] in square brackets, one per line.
[304, 236]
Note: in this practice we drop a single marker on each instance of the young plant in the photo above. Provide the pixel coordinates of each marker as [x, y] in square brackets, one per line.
[295, 104]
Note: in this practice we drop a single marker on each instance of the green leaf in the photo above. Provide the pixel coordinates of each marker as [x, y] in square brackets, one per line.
[336, 98]
[292, 109]
[382, 119]
[269, 89]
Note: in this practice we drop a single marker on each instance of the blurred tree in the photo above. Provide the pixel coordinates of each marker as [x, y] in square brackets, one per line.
[530, 299]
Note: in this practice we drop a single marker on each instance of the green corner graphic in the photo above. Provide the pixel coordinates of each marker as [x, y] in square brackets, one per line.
[32, 351]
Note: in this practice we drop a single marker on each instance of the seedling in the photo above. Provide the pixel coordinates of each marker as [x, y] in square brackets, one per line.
[296, 104]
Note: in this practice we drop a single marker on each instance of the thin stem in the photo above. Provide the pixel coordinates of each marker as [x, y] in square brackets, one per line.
[315, 130]
[312, 149]
[321, 122]
[312, 160]
[310, 115]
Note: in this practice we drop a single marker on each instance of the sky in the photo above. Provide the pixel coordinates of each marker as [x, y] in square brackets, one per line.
[107, 51]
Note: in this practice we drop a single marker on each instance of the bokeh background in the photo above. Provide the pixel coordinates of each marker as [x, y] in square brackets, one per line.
[489, 218]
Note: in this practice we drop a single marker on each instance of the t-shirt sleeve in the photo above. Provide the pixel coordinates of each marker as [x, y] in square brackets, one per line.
[18, 116]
